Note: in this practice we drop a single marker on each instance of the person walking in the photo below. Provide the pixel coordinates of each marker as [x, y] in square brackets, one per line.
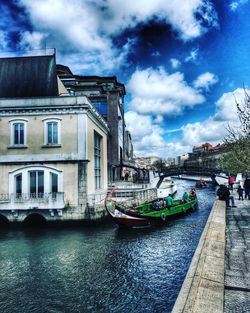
[247, 188]
[240, 192]
[231, 182]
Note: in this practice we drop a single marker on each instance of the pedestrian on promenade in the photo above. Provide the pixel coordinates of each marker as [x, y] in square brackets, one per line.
[240, 192]
[247, 188]
[231, 182]
[224, 194]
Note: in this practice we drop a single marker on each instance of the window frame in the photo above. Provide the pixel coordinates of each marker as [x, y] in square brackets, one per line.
[46, 122]
[12, 133]
[97, 161]
[25, 181]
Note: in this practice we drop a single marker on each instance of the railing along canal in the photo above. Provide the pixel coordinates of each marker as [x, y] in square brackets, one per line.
[24, 200]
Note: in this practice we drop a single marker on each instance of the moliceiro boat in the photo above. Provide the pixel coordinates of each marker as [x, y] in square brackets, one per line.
[147, 214]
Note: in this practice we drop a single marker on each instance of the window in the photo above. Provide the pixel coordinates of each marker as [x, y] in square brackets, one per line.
[52, 132]
[36, 184]
[18, 185]
[18, 133]
[97, 160]
[54, 182]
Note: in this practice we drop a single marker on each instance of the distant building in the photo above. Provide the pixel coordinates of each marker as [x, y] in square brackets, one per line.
[207, 156]
[107, 96]
[147, 162]
[203, 148]
[179, 161]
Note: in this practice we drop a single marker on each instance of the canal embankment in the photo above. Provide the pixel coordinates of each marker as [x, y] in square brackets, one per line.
[203, 287]
[218, 277]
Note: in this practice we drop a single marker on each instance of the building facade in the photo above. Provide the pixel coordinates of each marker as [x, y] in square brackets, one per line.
[107, 96]
[53, 157]
[207, 156]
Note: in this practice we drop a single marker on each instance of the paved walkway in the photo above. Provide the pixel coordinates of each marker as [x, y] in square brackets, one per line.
[237, 258]
[218, 279]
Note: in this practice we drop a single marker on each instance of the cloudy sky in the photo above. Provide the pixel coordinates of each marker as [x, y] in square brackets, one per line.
[183, 62]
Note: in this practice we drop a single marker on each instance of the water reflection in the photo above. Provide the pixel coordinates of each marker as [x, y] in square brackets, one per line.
[99, 269]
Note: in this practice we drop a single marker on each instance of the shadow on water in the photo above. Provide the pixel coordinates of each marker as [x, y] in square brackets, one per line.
[4, 222]
[35, 220]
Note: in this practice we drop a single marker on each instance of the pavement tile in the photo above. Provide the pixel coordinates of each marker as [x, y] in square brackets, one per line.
[236, 302]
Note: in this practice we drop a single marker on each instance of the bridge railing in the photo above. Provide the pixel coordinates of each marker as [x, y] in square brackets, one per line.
[192, 170]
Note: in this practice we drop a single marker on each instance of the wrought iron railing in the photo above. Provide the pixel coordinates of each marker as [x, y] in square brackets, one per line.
[32, 197]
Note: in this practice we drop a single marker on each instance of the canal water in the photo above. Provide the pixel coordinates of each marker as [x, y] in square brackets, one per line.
[100, 269]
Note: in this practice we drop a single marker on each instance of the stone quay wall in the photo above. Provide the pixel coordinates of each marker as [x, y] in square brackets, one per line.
[203, 287]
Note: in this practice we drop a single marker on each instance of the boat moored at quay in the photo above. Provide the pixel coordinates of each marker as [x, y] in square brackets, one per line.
[146, 215]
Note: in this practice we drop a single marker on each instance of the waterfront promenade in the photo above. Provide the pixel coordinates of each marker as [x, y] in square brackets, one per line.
[218, 277]
[237, 258]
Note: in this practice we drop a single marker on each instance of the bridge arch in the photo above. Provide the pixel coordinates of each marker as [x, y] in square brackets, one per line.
[4, 222]
[35, 219]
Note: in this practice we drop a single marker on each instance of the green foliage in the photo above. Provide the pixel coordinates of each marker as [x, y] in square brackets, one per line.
[238, 141]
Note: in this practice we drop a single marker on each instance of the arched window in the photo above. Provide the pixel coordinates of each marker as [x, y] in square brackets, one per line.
[35, 181]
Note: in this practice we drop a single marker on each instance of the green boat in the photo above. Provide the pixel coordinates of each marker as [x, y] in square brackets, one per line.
[147, 214]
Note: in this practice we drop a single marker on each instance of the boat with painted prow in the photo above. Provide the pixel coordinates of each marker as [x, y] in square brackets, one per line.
[147, 214]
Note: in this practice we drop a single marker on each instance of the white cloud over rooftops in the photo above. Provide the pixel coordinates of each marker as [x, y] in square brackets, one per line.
[214, 128]
[88, 27]
[154, 91]
[148, 136]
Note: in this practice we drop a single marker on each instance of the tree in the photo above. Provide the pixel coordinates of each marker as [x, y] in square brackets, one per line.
[237, 140]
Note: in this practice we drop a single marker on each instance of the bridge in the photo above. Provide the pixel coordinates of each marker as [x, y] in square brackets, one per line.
[189, 170]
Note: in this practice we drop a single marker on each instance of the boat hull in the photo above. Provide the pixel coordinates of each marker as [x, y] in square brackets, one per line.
[133, 218]
[123, 219]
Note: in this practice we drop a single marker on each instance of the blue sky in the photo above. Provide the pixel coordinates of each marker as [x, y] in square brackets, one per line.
[182, 62]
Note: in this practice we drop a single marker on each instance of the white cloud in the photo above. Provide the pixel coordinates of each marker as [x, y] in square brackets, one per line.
[157, 92]
[235, 4]
[184, 21]
[192, 56]
[226, 107]
[175, 63]
[87, 28]
[158, 119]
[148, 136]
[205, 80]
[32, 40]
[214, 129]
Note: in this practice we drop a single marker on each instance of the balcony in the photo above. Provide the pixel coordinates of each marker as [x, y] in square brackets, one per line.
[24, 201]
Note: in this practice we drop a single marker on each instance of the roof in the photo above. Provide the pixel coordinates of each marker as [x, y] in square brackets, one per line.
[65, 73]
[34, 76]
